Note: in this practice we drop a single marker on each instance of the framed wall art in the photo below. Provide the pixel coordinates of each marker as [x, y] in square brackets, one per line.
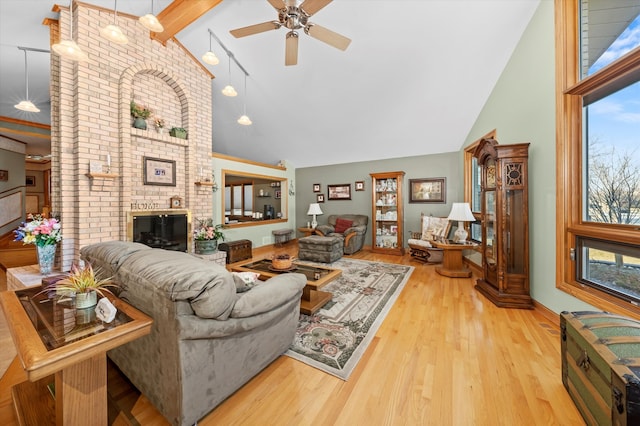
[429, 190]
[339, 192]
[360, 185]
[159, 172]
[316, 187]
[30, 180]
[320, 198]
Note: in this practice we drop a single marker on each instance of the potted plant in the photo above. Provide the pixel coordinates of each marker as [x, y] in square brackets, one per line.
[206, 236]
[84, 284]
[159, 123]
[140, 113]
[178, 132]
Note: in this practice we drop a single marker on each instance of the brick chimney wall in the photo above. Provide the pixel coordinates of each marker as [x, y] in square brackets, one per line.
[90, 119]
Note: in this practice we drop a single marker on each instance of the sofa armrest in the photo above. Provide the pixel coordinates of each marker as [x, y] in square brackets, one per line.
[268, 295]
[324, 229]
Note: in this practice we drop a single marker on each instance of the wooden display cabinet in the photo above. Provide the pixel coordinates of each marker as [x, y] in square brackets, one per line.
[387, 213]
[505, 223]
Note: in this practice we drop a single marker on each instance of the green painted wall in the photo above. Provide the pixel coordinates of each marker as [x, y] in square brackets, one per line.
[426, 166]
[13, 163]
[522, 109]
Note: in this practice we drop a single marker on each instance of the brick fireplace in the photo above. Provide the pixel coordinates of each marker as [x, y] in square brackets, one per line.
[90, 121]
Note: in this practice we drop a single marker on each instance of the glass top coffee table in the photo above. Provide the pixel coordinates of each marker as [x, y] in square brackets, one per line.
[317, 277]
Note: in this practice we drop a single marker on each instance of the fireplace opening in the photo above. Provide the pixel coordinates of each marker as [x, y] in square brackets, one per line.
[165, 229]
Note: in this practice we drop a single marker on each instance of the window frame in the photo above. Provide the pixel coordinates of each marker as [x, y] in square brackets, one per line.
[569, 181]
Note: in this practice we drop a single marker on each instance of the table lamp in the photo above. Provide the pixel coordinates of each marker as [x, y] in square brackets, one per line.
[314, 209]
[462, 213]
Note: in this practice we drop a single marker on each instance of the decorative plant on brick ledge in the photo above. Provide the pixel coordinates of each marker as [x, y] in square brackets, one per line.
[140, 113]
[178, 132]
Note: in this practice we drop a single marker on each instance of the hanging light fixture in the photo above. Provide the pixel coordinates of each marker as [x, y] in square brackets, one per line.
[113, 32]
[150, 21]
[244, 119]
[228, 89]
[26, 105]
[210, 57]
[68, 49]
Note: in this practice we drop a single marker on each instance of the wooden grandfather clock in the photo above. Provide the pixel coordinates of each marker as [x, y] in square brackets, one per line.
[505, 224]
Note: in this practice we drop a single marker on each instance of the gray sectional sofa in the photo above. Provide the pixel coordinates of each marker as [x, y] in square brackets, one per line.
[207, 338]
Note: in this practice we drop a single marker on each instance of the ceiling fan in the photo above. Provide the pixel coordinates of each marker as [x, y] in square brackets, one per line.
[295, 16]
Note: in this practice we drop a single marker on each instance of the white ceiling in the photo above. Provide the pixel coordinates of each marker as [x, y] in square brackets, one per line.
[412, 82]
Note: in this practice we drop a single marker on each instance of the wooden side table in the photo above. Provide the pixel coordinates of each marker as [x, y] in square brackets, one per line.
[452, 265]
[307, 231]
[79, 366]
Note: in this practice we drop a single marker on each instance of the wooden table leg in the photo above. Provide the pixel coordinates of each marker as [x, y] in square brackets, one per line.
[81, 392]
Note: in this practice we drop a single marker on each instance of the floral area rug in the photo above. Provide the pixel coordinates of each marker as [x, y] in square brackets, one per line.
[335, 337]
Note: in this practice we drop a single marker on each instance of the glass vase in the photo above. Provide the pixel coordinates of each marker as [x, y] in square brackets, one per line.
[46, 256]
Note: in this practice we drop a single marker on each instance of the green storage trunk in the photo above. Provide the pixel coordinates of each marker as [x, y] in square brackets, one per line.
[601, 366]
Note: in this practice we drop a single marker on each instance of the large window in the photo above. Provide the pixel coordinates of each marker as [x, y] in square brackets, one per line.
[598, 185]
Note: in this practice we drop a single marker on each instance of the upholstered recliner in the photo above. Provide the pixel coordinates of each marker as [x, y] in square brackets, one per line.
[432, 228]
[352, 228]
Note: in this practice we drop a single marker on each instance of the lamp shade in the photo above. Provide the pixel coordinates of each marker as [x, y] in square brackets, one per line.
[461, 212]
[229, 91]
[27, 106]
[314, 208]
[151, 23]
[210, 58]
[244, 120]
[69, 49]
[114, 33]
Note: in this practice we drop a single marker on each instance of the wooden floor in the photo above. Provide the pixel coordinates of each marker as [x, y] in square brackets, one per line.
[444, 355]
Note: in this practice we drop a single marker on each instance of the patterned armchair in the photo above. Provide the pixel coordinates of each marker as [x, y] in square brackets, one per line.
[351, 228]
[432, 228]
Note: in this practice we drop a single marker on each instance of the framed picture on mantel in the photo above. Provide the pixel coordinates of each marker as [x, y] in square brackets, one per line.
[159, 172]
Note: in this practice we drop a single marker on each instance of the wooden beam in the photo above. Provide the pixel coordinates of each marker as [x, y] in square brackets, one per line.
[180, 14]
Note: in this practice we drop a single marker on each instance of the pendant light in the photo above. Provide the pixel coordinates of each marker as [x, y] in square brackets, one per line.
[112, 32]
[210, 57]
[228, 89]
[26, 105]
[68, 49]
[244, 119]
[150, 21]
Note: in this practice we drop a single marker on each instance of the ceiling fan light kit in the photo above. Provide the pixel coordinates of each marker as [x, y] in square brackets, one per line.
[296, 17]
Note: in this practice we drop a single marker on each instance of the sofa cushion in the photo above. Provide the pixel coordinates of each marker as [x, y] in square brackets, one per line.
[269, 295]
[207, 286]
[342, 225]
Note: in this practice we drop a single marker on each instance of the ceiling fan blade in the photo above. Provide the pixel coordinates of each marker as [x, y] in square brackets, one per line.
[327, 36]
[277, 4]
[291, 49]
[313, 6]
[255, 29]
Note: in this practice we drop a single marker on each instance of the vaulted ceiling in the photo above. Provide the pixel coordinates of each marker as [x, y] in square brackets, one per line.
[412, 82]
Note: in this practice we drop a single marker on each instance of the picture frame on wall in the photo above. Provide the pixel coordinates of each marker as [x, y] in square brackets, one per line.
[360, 185]
[316, 187]
[427, 190]
[159, 172]
[278, 195]
[30, 180]
[4, 175]
[339, 192]
[320, 198]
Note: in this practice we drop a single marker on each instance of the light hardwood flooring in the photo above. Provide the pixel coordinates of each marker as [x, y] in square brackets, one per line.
[444, 355]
